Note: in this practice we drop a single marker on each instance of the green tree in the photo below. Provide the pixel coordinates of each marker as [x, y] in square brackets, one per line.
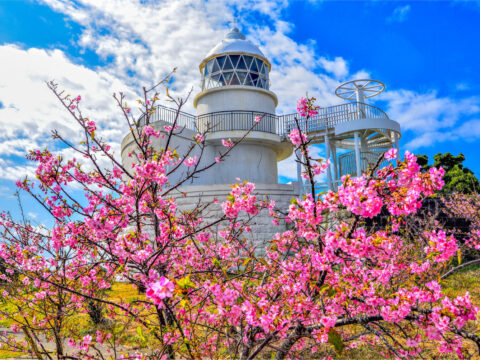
[457, 177]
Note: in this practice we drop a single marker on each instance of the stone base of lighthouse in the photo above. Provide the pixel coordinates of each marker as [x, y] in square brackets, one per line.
[262, 226]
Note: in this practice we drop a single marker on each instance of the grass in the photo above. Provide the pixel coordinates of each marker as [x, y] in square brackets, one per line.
[5, 354]
[467, 279]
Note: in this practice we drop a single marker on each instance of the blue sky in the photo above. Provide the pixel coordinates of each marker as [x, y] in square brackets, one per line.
[426, 52]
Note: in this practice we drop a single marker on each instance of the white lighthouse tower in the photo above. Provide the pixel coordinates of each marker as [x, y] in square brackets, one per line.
[235, 88]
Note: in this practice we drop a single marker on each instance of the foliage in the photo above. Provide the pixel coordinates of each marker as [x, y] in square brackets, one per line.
[457, 178]
[326, 284]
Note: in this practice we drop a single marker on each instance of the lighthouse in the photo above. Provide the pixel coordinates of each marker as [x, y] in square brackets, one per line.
[235, 89]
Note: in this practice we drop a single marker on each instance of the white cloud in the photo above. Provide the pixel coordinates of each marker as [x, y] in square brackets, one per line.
[431, 119]
[469, 130]
[146, 39]
[30, 110]
[337, 66]
[399, 14]
[427, 111]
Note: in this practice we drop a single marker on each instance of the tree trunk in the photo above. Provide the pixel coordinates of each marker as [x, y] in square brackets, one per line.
[289, 342]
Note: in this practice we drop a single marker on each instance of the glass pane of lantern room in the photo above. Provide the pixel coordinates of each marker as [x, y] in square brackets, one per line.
[215, 66]
[254, 79]
[263, 69]
[234, 59]
[248, 60]
[234, 80]
[259, 64]
[216, 80]
[241, 77]
[220, 60]
[254, 66]
[248, 80]
[222, 80]
[228, 76]
[208, 68]
[241, 64]
[228, 64]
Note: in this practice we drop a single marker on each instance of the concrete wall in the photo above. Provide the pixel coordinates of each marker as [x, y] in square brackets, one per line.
[230, 98]
[180, 142]
[246, 161]
[262, 226]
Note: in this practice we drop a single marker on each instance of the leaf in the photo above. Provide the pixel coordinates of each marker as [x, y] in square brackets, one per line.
[263, 261]
[459, 256]
[335, 339]
[216, 262]
[246, 261]
[185, 283]
[324, 288]
[140, 333]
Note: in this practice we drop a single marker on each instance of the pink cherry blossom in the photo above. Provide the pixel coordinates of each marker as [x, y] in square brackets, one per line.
[199, 138]
[160, 289]
[227, 143]
[150, 131]
[391, 154]
[296, 137]
[191, 161]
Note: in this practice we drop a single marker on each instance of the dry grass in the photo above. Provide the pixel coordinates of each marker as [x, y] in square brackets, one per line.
[463, 281]
[5, 354]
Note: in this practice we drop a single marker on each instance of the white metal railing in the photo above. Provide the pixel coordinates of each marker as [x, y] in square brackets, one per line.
[238, 120]
[347, 164]
[326, 118]
[168, 115]
[330, 116]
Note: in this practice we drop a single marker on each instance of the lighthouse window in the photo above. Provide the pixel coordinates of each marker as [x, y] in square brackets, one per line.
[248, 61]
[228, 64]
[254, 66]
[235, 80]
[254, 79]
[235, 70]
[228, 76]
[241, 65]
[234, 59]
[262, 70]
[221, 61]
[208, 68]
[241, 76]
[215, 67]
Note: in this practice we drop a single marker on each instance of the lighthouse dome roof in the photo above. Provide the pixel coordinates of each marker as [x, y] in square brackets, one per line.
[235, 42]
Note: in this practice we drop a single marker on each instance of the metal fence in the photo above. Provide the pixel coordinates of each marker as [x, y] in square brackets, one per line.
[347, 162]
[326, 118]
[239, 120]
[330, 116]
[163, 113]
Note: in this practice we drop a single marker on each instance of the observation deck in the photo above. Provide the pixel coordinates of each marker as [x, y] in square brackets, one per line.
[327, 120]
[363, 130]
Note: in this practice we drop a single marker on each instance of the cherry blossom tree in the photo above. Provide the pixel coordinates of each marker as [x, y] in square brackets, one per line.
[327, 282]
